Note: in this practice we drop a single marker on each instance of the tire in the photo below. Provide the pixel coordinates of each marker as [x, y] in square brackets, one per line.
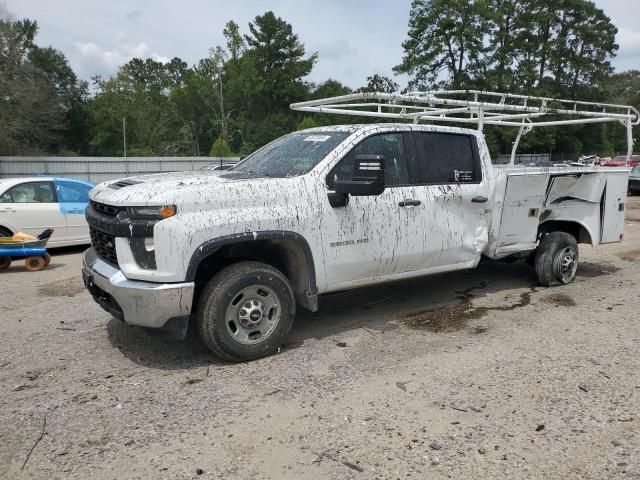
[5, 232]
[47, 259]
[245, 311]
[34, 264]
[556, 259]
[5, 262]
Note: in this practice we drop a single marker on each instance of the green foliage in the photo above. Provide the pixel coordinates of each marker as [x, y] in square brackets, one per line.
[548, 46]
[379, 83]
[445, 42]
[556, 48]
[306, 122]
[42, 105]
[278, 57]
[220, 148]
[237, 99]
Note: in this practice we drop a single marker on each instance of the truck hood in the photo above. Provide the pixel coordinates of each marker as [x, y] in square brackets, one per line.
[184, 188]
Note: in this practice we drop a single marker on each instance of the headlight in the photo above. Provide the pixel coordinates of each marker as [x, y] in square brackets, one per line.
[153, 213]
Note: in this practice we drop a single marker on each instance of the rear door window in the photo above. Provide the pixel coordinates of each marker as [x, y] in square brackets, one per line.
[445, 158]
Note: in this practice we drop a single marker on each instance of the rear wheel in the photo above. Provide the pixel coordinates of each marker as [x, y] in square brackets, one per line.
[47, 259]
[34, 264]
[246, 311]
[556, 259]
[5, 262]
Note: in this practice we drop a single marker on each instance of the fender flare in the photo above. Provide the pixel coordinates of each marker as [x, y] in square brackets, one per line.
[210, 246]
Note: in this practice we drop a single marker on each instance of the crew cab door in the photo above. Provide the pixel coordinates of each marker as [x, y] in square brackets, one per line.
[372, 236]
[454, 198]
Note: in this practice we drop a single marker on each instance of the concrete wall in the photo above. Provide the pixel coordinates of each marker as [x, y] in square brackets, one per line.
[100, 169]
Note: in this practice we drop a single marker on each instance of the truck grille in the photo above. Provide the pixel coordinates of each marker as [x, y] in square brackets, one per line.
[104, 245]
[105, 209]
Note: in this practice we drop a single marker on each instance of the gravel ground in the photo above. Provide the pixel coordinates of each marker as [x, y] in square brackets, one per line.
[476, 374]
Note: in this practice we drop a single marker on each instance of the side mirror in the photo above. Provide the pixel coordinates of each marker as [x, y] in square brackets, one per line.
[367, 179]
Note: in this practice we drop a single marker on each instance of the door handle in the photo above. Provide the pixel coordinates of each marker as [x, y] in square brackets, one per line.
[409, 203]
[479, 199]
[8, 209]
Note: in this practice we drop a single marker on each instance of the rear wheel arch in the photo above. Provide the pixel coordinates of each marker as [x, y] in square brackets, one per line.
[286, 251]
[579, 231]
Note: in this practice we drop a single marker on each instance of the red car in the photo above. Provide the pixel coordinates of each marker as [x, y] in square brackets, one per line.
[621, 161]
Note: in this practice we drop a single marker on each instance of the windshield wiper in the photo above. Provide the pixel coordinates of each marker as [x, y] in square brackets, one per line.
[250, 172]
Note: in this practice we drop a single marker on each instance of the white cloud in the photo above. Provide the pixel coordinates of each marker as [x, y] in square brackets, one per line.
[629, 41]
[106, 60]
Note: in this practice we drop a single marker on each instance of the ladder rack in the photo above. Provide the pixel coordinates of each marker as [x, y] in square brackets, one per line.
[479, 108]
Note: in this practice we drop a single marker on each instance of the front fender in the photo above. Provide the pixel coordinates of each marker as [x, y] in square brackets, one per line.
[210, 246]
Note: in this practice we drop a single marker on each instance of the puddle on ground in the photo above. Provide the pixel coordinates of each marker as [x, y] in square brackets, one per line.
[630, 256]
[590, 269]
[451, 318]
[559, 300]
[68, 287]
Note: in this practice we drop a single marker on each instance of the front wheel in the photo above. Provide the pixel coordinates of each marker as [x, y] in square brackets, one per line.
[556, 260]
[245, 311]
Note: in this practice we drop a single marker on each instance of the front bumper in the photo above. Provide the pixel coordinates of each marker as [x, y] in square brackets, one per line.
[146, 304]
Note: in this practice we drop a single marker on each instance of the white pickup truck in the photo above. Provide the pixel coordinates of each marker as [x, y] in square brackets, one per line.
[329, 209]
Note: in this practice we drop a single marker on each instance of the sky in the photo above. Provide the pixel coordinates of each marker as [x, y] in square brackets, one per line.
[354, 38]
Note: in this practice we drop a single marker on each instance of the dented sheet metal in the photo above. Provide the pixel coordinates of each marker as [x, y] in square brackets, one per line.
[587, 187]
[526, 198]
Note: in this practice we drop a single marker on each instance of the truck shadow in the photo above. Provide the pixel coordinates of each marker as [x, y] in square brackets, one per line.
[437, 303]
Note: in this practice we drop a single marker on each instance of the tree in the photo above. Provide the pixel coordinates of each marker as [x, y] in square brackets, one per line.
[380, 83]
[278, 56]
[583, 46]
[445, 44]
[235, 43]
[329, 88]
[220, 148]
[140, 93]
[306, 122]
[41, 96]
[71, 92]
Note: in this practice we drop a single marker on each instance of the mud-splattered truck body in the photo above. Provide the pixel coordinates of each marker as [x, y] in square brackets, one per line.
[329, 209]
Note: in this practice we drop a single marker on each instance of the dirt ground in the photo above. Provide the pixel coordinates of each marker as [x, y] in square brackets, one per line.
[476, 374]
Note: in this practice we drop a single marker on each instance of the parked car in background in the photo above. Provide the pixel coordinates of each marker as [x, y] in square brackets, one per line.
[634, 180]
[583, 161]
[218, 166]
[32, 204]
[621, 161]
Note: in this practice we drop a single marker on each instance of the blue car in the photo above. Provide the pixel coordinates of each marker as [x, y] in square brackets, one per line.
[33, 204]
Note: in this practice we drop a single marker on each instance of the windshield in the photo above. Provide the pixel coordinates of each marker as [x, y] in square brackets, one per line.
[636, 170]
[291, 155]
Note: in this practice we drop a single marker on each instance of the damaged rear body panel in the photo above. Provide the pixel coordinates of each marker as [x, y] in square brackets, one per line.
[527, 199]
